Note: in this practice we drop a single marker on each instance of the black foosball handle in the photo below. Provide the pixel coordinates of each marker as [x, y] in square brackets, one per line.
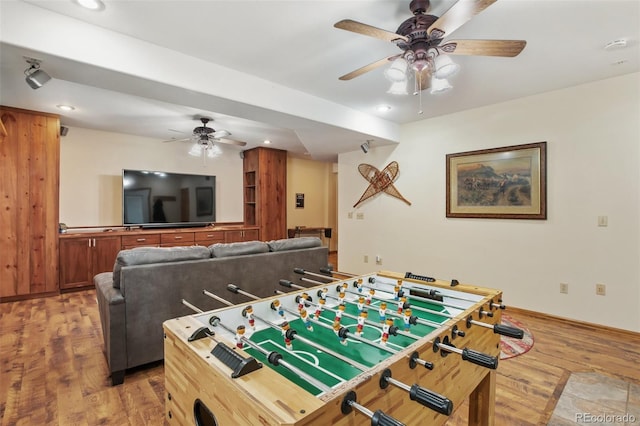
[299, 271]
[479, 358]
[381, 419]
[432, 400]
[286, 283]
[505, 330]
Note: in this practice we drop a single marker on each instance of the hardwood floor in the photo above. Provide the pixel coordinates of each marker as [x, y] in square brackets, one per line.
[53, 370]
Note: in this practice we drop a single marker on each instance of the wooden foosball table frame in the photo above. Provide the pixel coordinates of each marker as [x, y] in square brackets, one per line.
[197, 380]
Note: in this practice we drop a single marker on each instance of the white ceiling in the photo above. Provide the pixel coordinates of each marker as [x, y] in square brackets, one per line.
[269, 69]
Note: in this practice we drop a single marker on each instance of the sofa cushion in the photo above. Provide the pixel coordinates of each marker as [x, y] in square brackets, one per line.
[238, 249]
[294, 243]
[147, 255]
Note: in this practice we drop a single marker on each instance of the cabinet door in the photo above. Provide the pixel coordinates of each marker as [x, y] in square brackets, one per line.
[251, 235]
[104, 252]
[75, 262]
[233, 236]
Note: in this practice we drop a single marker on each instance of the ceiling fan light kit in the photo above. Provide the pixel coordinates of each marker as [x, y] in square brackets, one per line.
[397, 71]
[424, 54]
[444, 66]
[398, 88]
[439, 85]
[206, 139]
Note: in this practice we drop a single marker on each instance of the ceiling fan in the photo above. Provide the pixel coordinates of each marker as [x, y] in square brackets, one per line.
[206, 138]
[424, 52]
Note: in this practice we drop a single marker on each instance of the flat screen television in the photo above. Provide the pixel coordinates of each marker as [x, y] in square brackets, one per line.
[155, 199]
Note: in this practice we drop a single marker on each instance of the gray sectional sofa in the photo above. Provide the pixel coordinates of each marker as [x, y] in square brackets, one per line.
[148, 284]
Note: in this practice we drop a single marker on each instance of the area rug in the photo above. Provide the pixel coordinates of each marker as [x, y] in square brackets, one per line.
[510, 347]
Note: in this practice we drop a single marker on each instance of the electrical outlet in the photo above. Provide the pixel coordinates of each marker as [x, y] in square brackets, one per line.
[378, 260]
[601, 289]
[359, 215]
[603, 220]
[564, 288]
[366, 259]
[350, 215]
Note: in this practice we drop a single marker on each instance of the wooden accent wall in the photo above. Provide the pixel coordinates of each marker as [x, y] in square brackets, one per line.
[29, 188]
[267, 207]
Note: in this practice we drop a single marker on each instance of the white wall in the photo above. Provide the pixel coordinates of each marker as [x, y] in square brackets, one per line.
[91, 164]
[593, 162]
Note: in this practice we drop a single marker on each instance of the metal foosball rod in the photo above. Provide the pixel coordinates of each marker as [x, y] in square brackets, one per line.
[302, 271]
[425, 299]
[342, 332]
[503, 330]
[379, 418]
[412, 320]
[394, 331]
[273, 357]
[293, 335]
[414, 358]
[331, 271]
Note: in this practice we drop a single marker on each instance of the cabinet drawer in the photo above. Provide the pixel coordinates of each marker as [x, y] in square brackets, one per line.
[181, 238]
[140, 240]
[208, 238]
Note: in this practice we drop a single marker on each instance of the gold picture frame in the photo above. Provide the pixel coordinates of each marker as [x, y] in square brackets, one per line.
[498, 183]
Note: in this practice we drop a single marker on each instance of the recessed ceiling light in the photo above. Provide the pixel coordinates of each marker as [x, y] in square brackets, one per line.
[383, 108]
[267, 141]
[91, 4]
[66, 107]
[616, 44]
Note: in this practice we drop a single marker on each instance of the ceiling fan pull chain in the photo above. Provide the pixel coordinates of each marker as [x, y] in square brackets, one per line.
[420, 92]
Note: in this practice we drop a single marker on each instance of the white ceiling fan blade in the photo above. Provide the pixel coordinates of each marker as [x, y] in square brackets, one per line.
[221, 134]
[231, 142]
[178, 140]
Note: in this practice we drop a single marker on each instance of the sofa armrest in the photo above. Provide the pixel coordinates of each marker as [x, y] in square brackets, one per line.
[111, 305]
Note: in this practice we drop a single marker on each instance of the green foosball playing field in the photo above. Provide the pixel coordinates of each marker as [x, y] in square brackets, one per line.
[328, 369]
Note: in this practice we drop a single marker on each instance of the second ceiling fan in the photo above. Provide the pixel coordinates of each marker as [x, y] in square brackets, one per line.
[206, 137]
[424, 51]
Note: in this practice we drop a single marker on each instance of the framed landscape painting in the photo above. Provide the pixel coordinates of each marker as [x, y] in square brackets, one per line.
[502, 183]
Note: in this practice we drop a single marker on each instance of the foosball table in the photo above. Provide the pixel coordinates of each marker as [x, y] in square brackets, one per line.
[337, 349]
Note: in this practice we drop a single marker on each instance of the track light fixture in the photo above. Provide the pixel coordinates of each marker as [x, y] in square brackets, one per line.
[365, 147]
[36, 78]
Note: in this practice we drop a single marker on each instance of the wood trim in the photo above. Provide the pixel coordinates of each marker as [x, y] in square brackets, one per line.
[601, 327]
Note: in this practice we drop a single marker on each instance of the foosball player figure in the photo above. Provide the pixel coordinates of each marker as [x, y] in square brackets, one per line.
[341, 296]
[320, 308]
[407, 319]
[401, 303]
[239, 335]
[301, 301]
[396, 292]
[249, 314]
[323, 294]
[361, 319]
[359, 285]
[304, 316]
[383, 312]
[287, 342]
[336, 329]
[360, 304]
[370, 296]
[385, 330]
[339, 312]
[277, 306]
